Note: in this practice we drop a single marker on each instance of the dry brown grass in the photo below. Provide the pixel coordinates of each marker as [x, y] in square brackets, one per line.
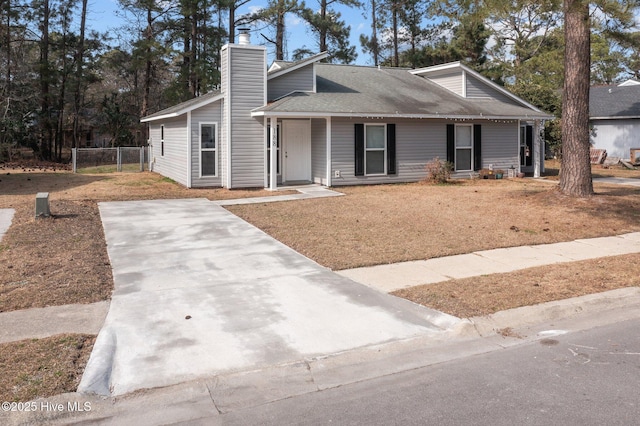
[394, 223]
[43, 367]
[488, 294]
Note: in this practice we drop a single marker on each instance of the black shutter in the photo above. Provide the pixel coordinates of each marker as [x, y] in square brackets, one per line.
[391, 149]
[529, 142]
[451, 143]
[359, 149]
[477, 147]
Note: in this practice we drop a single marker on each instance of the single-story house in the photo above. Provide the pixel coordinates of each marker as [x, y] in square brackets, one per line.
[314, 122]
[614, 115]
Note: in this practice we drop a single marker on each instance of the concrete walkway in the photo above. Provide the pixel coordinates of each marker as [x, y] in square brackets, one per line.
[37, 323]
[304, 192]
[395, 276]
[618, 181]
[6, 216]
[200, 292]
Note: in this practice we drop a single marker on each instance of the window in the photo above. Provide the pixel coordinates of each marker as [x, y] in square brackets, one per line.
[162, 140]
[269, 149]
[464, 148]
[375, 149]
[208, 149]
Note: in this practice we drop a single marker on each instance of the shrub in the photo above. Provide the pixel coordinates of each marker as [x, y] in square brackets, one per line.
[438, 171]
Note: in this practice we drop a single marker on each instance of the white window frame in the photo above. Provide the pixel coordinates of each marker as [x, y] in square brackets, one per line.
[384, 126]
[215, 150]
[469, 148]
[279, 149]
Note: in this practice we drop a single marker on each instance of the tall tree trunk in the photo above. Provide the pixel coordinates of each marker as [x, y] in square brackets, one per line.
[45, 95]
[6, 90]
[394, 23]
[375, 51]
[575, 179]
[323, 28]
[59, 134]
[280, 31]
[77, 96]
[232, 21]
[193, 78]
[186, 59]
[147, 69]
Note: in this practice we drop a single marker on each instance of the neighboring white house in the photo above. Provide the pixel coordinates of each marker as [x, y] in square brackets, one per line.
[340, 124]
[614, 114]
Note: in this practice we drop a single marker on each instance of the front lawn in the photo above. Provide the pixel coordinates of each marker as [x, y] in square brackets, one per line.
[394, 223]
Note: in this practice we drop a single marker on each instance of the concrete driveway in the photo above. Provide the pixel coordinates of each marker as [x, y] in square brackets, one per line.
[198, 292]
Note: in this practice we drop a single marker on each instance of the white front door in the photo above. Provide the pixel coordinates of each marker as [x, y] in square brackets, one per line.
[297, 150]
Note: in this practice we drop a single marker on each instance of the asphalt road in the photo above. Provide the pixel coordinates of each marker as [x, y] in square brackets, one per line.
[583, 378]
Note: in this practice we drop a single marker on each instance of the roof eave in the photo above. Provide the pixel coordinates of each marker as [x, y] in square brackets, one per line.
[616, 117]
[159, 117]
[256, 113]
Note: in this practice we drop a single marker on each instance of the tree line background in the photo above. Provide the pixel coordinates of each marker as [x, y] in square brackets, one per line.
[64, 85]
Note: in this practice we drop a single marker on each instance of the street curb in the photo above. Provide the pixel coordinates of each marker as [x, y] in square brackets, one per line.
[550, 311]
[205, 399]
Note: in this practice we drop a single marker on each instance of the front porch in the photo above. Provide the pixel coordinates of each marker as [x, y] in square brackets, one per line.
[299, 149]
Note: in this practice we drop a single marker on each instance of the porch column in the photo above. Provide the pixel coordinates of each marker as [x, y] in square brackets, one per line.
[519, 165]
[273, 158]
[328, 130]
[536, 149]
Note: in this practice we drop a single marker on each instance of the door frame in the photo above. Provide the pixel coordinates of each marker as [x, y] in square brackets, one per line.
[288, 143]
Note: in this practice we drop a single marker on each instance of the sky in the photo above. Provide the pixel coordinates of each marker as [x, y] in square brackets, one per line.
[102, 17]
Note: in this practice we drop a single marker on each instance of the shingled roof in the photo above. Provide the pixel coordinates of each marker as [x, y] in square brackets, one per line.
[614, 102]
[369, 91]
[183, 107]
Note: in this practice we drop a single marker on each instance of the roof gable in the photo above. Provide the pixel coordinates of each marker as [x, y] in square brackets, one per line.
[472, 84]
[279, 68]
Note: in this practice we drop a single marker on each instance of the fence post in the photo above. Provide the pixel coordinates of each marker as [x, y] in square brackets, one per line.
[118, 160]
[142, 158]
[74, 159]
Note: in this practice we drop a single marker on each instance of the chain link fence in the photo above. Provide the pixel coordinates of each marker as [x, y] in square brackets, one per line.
[107, 160]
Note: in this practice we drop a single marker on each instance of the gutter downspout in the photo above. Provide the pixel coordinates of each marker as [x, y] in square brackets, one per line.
[189, 151]
[329, 164]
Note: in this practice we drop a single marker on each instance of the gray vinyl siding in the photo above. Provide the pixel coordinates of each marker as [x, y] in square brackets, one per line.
[173, 164]
[449, 79]
[616, 136]
[298, 80]
[417, 142]
[319, 151]
[208, 114]
[246, 92]
[478, 89]
[500, 145]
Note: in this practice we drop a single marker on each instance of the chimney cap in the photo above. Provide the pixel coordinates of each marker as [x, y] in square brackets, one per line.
[244, 37]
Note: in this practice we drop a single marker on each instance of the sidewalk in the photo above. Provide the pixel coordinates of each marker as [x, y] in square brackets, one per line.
[207, 400]
[6, 216]
[388, 278]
